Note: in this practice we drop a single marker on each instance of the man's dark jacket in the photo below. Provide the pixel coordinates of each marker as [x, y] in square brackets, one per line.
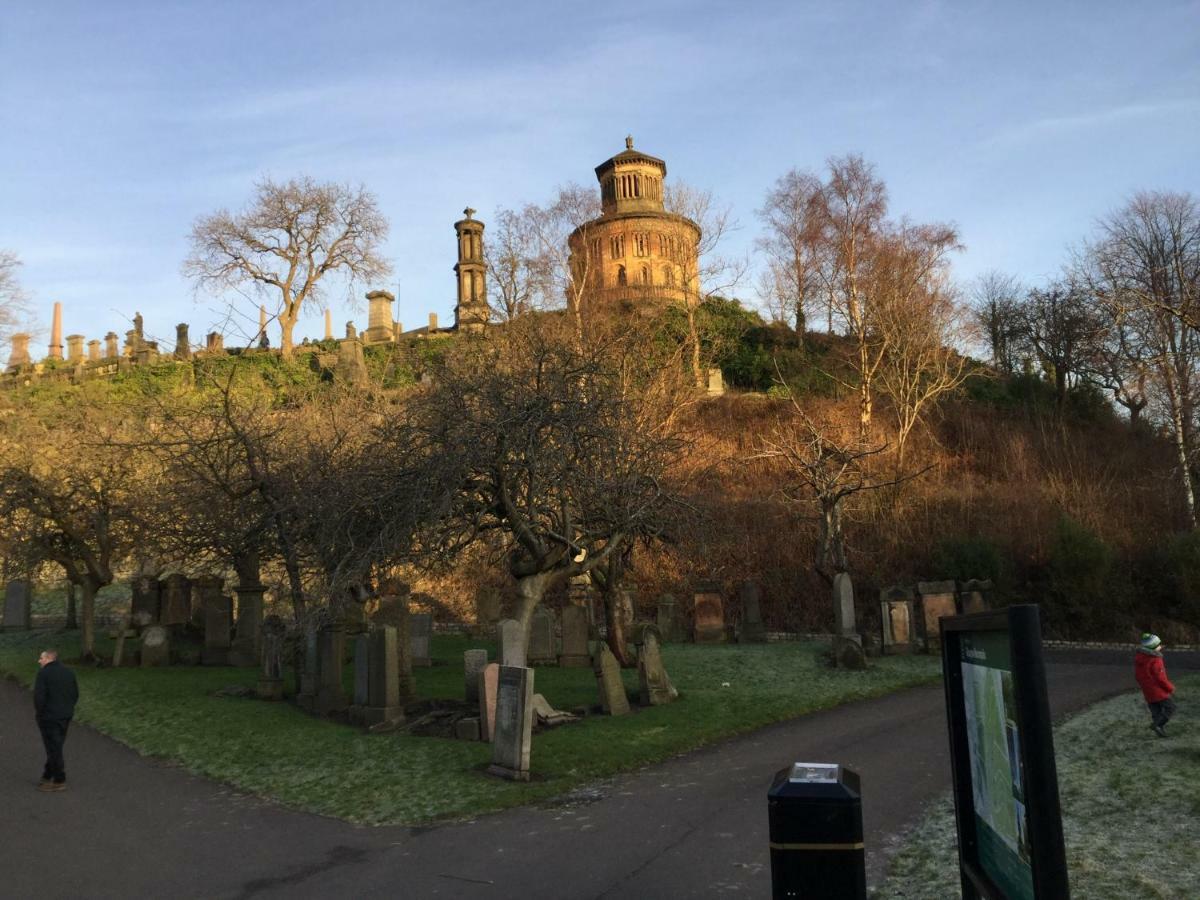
[55, 692]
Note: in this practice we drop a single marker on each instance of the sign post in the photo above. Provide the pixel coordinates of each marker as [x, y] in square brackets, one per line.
[1010, 841]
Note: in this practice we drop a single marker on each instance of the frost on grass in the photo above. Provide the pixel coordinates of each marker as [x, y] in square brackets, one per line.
[1131, 810]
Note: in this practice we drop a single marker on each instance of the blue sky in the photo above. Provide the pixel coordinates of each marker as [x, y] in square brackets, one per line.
[124, 121]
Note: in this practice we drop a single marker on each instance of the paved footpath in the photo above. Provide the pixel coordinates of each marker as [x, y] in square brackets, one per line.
[691, 827]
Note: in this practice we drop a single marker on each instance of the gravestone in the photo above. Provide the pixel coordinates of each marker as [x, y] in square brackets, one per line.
[466, 729]
[362, 663]
[487, 610]
[937, 599]
[626, 601]
[655, 684]
[310, 671]
[393, 610]
[383, 678]
[247, 639]
[511, 640]
[270, 679]
[156, 647]
[331, 652]
[218, 617]
[575, 653]
[118, 657]
[489, 679]
[665, 616]
[512, 738]
[973, 596]
[175, 607]
[145, 593]
[848, 652]
[708, 614]
[420, 635]
[18, 605]
[473, 663]
[753, 630]
[541, 637]
[843, 605]
[896, 618]
[581, 593]
[608, 681]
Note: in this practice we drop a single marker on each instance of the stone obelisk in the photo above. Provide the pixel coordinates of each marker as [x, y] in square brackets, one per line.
[262, 323]
[56, 339]
[328, 324]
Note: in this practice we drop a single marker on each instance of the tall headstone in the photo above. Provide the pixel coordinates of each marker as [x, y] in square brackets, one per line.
[936, 599]
[218, 619]
[581, 593]
[310, 670]
[145, 590]
[383, 678]
[843, 605]
[473, 663]
[351, 365]
[541, 637]
[708, 614]
[896, 620]
[613, 699]
[331, 652]
[18, 605]
[175, 600]
[513, 735]
[420, 637]
[655, 684]
[270, 679]
[156, 647]
[489, 679]
[753, 630]
[511, 639]
[246, 650]
[379, 317]
[575, 653]
[362, 674]
[666, 618]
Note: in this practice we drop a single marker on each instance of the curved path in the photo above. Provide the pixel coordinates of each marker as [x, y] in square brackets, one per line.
[693, 826]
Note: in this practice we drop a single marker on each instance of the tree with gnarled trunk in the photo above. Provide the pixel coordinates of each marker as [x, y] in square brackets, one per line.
[287, 241]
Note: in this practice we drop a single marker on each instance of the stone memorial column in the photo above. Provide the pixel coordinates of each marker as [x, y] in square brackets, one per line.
[56, 336]
[183, 349]
[75, 348]
[20, 351]
[93, 350]
[111, 348]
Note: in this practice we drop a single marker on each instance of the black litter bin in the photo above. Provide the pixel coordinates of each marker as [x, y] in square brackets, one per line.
[815, 812]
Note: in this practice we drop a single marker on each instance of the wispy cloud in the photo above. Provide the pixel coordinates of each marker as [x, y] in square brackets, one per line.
[1062, 126]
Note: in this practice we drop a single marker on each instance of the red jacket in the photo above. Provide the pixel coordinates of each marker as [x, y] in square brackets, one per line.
[1151, 676]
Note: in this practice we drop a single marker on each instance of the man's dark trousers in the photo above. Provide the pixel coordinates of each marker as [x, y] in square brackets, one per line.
[54, 735]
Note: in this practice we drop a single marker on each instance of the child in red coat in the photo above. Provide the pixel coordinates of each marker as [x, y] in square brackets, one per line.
[1151, 676]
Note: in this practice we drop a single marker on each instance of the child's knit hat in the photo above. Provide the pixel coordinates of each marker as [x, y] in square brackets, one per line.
[1150, 641]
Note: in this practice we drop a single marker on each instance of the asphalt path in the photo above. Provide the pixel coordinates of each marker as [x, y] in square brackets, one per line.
[694, 826]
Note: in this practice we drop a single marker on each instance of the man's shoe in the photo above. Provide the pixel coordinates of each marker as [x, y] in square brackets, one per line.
[1159, 730]
[47, 787]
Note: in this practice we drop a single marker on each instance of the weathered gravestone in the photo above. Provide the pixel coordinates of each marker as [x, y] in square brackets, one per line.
[393, 610]
[248, 638]
[489, 678]
[655, 684]
[708, 614]
[175, 606]
[581, 593]
[118, 657]
[575, 653]
[513, 735]
[665, 616]
[18, 605]
[973, 594]
[541, 637]
[473, 663]
[270, 679]
[511, 639]
[896, 618]
[420, 635]
[383, 679]
[306, 696]
[937, 599]
[331, 651]
[608, 681]
[847, 642]
[218, 620]
[753, 630]
[156, 647]
[362, 663]
[145, 599]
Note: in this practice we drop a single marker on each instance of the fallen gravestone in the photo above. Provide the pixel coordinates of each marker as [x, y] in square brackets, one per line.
[546, 715]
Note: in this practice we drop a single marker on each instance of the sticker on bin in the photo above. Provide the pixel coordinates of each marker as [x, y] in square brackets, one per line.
[814, 773]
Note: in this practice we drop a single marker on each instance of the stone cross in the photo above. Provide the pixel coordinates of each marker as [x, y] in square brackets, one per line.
[512, 739]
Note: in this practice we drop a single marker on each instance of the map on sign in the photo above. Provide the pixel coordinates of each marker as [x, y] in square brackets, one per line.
[994, 745]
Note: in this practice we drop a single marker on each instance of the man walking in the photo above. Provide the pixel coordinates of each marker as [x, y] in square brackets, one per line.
[54, 694]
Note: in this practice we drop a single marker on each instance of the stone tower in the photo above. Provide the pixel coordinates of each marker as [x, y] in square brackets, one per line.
[637, 251]
[471, 310]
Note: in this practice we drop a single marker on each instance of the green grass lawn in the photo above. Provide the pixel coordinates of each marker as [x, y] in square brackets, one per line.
[1131, 810]
[277, 751]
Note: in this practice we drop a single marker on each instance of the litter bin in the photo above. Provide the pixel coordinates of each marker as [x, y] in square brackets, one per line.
[815, 812]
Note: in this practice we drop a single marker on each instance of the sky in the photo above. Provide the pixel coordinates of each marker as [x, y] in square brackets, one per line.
[122, 122]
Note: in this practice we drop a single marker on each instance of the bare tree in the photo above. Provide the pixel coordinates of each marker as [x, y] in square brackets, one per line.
[996, 303]
[1062, 330]
[285, 243]
[517, 263]
[12, 297]
[794, 217]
